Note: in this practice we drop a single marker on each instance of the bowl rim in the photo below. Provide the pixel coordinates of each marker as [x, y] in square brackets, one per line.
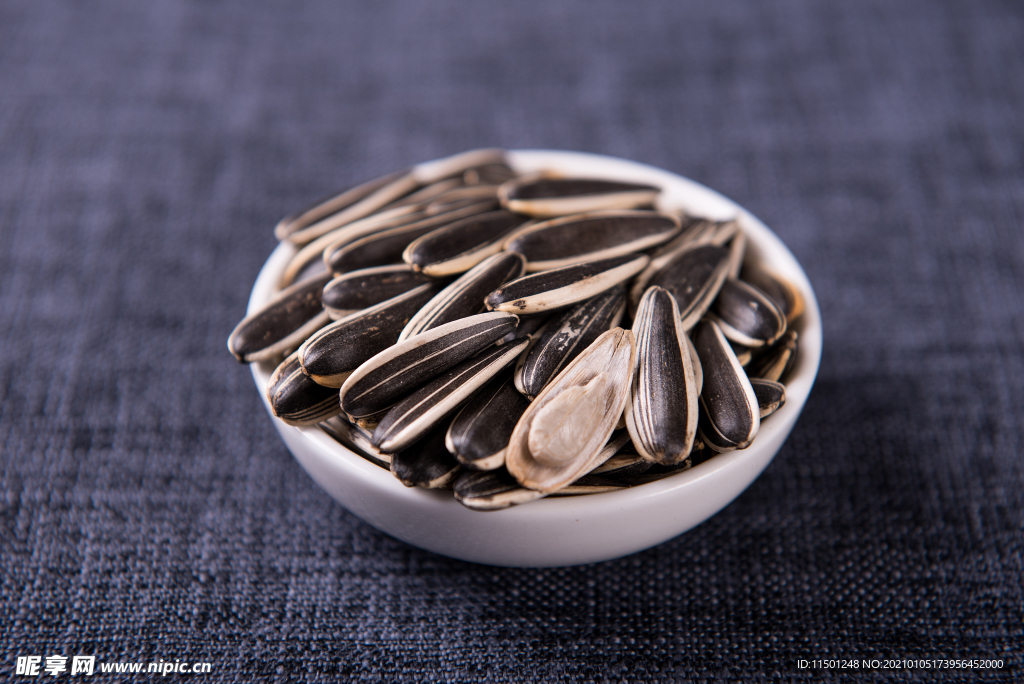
[679, 193]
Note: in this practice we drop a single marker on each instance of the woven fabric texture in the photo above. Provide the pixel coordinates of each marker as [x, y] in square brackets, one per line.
[148, 509]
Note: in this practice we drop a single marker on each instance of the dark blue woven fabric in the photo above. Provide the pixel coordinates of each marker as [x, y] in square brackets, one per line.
[149, 511]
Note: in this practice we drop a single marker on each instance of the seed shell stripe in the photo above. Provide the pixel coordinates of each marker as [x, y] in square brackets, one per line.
[401, 369]
[662, 412]
[479, 434]
[465, 296]
[368, 287]
[282, 324]
[727, 397]
[593, 235]
[427, 406]
[565, 337]
[334, 352]
[562, 287]
[559, 196]
[459, 246]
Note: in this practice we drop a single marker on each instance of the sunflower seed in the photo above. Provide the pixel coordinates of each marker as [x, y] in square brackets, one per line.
[590, 484]
[460, 197]
[465, 296]
[728, 400]
[403, 368]
[488, 174]
[329, 356]
[331, 205]
[357, 440]
[775, 362]
[780, 290]
[625, 464]
[694, 278]
[430, 404]
[296, 399]
[426, 463]
[491, 490]
[457, 164]
[737, 248]
[478, 437]
[746, 315]
[386, 246]
[565, 286]
[459, 246]
[560, 196]
[593, 235]
[565, 337]
[401, 185]
[428, 193]
[565, 429]
[661, 415]
[358, 290]
[282, 324]
[770, 395]
[313, 252]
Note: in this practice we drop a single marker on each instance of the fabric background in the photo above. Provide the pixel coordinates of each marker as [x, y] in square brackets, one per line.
[150, 511]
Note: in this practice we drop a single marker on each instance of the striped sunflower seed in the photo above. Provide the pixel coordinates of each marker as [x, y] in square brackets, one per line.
[565, 338]
[429, 405]
[478, 437]
[427, 463]
[694, 278]
[296, 399]
[562, 287]
[564, 431]
[358, 290]
[459, 246]
[279, 327]
[780, 290]
[746, 315]
[465, 296]
[357, 439]
[491, 490]
[334, 352]
[727, 399]
[589, 236]
[560, 196]
[770, 395]
[661, 415]
[775, 362]
[399, 370]
[322, 209]
[386, 246]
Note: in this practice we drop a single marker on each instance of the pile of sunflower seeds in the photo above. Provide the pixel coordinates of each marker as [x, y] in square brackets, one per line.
[514, 337]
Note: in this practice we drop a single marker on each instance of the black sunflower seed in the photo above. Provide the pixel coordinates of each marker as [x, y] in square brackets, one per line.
[746, 315]
[694, 278]
[491, 490]
[728, 400]
[403, 368]
[359, 290]
[478, 437]
[330, 355]
[296, 399]
[775, 362]
[465, 296]
[565, 286]
[426, 407]
[426, 463]
[282, 324]
[770, 395]
[566, 336]
[560, 196]
[662, 411]
[593, 235]
[459, 246]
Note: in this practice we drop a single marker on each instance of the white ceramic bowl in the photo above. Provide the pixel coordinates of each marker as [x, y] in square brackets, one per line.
[578, 529]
